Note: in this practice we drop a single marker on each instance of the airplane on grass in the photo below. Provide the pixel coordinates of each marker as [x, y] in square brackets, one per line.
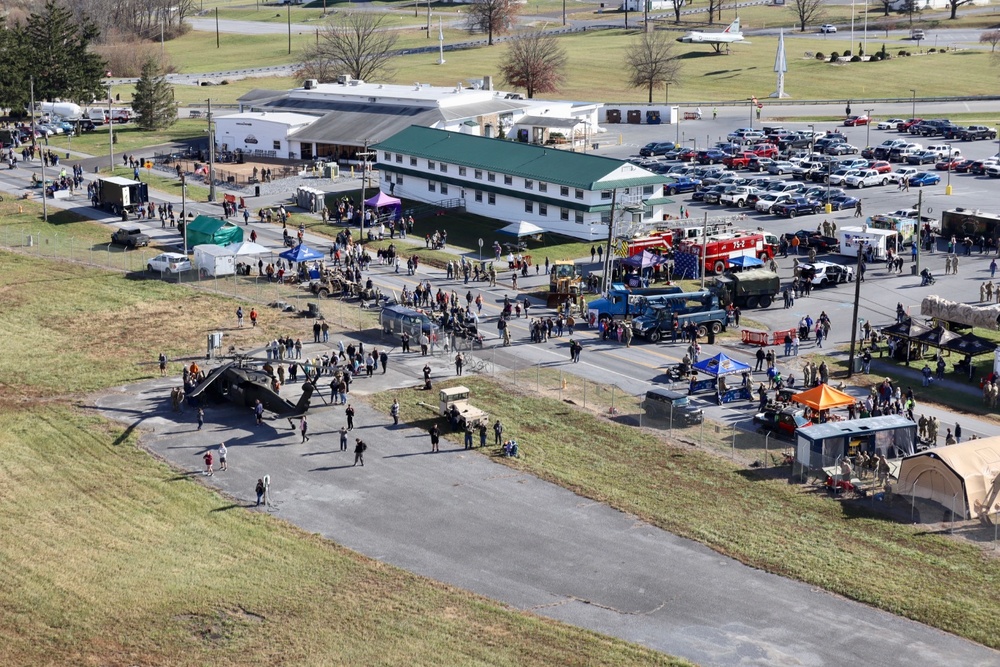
[730, 35]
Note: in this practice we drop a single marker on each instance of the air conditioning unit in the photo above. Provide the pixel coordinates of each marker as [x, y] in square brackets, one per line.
[343, 79]
[310, 84]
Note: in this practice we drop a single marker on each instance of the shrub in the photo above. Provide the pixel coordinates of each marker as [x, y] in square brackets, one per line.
[847, 53]
[931, 50]
[820, 56]
[834, 57]
[855, 59]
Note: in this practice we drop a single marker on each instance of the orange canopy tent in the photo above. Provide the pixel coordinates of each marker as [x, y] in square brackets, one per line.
[823, 397]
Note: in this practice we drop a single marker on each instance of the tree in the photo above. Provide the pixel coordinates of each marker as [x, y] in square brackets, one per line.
[807, 11]
[955, 4]
[676, 5]
[494, 17]
[534, 61]
[886, 6]
[153, 100]
[14, 71]
[58, 50]
[357, 44]
[991, 37]
[651, 62]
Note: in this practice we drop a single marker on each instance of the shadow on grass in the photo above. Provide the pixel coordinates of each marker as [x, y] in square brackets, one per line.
[226, 508]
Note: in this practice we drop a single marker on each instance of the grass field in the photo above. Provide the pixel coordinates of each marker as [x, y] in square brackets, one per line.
[114, 559]
[159, 181]
[764, 522]
[129, 138]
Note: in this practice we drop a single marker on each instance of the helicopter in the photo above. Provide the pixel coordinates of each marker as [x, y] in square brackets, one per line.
[237, 382]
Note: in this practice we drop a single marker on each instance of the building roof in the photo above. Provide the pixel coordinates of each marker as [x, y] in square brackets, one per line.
[285, 118]
[354, 127]
[549, 121]
[260, 94]
[516, 159]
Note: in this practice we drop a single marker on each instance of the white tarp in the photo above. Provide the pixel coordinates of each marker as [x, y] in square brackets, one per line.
[247, 248]
[521, 228]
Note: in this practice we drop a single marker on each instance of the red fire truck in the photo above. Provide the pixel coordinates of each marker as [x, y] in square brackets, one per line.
[721, 248]
[656, 242]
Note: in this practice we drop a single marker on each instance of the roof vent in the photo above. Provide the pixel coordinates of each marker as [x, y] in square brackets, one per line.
[309, 84]
[417, 84]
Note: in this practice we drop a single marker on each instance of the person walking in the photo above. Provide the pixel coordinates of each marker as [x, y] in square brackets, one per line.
[222, 457]
[253, 317]
[383, 359]
[359, 451]
[239, 317]
[593, 251]
[259, 489]
[459, 362]
[258, 412]
[350, 417]
[435, 438]
[201, 417]
[343, 438]
[958, 432]
[394, 412]
[304, 428]
[857, 209]
[208, 464]
[498, 433]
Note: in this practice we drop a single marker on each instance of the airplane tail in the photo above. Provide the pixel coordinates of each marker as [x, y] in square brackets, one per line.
[734, 27]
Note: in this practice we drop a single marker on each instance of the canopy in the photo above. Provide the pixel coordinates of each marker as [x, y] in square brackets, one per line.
[720, 365]
[645, 260]
[248, 248]
[823, 397]
[208, 230]
[745, 261]
[521, 228]
[964, 476]
[382, 199]
[301, 253]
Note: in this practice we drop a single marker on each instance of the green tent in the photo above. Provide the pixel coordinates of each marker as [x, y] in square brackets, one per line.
[214, 231]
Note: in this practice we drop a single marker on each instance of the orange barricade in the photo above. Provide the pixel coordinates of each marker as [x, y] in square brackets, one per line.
[778, 337]
[754, 337]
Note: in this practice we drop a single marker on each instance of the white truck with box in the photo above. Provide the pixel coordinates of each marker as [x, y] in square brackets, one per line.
[881, 240]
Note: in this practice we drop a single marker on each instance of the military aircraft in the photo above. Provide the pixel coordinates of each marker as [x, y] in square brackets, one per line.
[236, 381]
[730, 35]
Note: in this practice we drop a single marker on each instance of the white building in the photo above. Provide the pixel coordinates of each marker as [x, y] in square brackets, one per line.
[260, 134]
[348, 114]
[560, 191]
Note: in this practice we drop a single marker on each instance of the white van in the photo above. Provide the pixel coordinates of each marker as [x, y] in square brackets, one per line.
[97, 115]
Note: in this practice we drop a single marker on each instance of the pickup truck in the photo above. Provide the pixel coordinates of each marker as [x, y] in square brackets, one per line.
[976, 132]
[796, 206]
[133, 238]
[738, 196]
[657, 322]
[883, 149]
[866, 178]
[738, 161]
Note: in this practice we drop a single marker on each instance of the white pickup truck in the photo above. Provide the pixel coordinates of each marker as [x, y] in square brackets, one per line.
[866, 178]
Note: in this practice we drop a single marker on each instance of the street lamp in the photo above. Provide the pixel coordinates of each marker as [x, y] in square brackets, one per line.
[951, 159]
[211, 155]
[913, 111]
[812, 140]
[868, 134]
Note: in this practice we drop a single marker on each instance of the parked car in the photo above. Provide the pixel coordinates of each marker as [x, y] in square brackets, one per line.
[739, 160]
[963, 166]
[839, 177]
[677, 184]
[901, 173]
[881, 166]
[925, 178]
[760, 163]
[948, 164]
[825, 274]
[737, 196]
[907, 124]
[711, 156]
[783, 421]
[701, 194]
[842, 149]
[841, 201]
[828, 29]
[811, 239]
[976, 132]
[780, 168]
[169, 262]
[889, 124]
[854, 121]
[133, 238]
[767, 200]
[796, 206]
[923, 157]
[866, 178]
[657, 148]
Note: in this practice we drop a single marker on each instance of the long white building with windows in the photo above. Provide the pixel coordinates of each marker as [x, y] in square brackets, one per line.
[560, 191]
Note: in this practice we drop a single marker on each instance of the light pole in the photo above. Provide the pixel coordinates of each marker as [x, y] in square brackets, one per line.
[211, 155]
[812, 139]
[868, 125]
[950, 158]
[45, 210]
[913, 110]
[111, 132]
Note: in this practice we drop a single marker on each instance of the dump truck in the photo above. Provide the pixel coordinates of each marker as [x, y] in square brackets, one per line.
[699, 308]
[120, 195]
[620, 301]
[756, 288]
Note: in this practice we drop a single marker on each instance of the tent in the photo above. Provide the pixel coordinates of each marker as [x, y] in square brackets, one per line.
[215, 231]
[301, 253]
[520, 229]
[720, 365]
[963, 476]
[248, 248]
[382, 200]
[745, 262]
[644, 260]
[823, 397]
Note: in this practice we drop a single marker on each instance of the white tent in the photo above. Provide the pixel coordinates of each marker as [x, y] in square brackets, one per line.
[247, 248]
[520, 229]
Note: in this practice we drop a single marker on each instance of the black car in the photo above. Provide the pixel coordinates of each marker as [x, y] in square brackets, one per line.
[701, 194]
[657, 148]
[811, 239]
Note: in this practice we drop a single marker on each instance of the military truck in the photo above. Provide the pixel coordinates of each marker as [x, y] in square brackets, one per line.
[698, 308]
[454, 401]
[120, 195]
[756, 288]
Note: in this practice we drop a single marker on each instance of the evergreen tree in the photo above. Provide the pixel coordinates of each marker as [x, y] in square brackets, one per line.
[57, 52]
[14, 71]
[154, 101]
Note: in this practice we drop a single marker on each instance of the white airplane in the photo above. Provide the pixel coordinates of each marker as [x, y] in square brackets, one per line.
[728, 36]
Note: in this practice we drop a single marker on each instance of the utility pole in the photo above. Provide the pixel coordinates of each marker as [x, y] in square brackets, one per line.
[289, 6]
[919, 236]
[428, 19]
[854, 317]
[183, 209]
[45, 210]
[611, 236]
[111, 132]
[211, 156]
[364, 180]
[704, 243]
[217, 44]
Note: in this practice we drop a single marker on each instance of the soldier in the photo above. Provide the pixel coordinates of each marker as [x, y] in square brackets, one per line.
[932, 431]
[982, 292]
[989, 291]
[922, 427]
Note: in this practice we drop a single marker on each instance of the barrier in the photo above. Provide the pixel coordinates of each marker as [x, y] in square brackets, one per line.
[766, 338]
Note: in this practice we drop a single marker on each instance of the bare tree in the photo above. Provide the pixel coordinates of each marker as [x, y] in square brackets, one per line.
[355, 43]
[676, 5]
[955, 4]
[886, 6]
[651, 62]
[534, 61]
[807, 11]
[991, 37]
[494, 17]
[714, 7]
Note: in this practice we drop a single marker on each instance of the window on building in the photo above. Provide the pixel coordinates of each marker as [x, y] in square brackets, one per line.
[529, 184]
[491, 199]
[605, 194]
[461, 171]
[430, 186]
[399, 158]
[579, 194]
[529, 207]
[508, 180]
[277, 145]
[491, 177]
[430, 165]
[564, 191]
[606, 217]
[543, 209]
[444, 168]
[564, 214]
[388, 177]
[479, 196]
[444, 188]
[399, 179]
[413, 162]
[479, 174]
[543, 187]
[387, 156]
[647, 189]
[579, 218]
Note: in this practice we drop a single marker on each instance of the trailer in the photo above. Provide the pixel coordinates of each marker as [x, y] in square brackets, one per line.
[755, 288]
[214, 260]
[880, 240]
[120, 195]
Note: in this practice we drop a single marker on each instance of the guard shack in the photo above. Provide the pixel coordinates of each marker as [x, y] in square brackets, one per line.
[825, 445]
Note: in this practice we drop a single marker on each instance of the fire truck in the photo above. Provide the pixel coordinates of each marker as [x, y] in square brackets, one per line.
[657, 242]
[721, 248]
[663, 239]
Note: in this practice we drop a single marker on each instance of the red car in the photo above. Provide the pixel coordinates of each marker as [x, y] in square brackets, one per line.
[948, 165]
[854, 121]
[907, 124]
[881, 166]
[765, 150]
[687, 155]
[740, 161]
